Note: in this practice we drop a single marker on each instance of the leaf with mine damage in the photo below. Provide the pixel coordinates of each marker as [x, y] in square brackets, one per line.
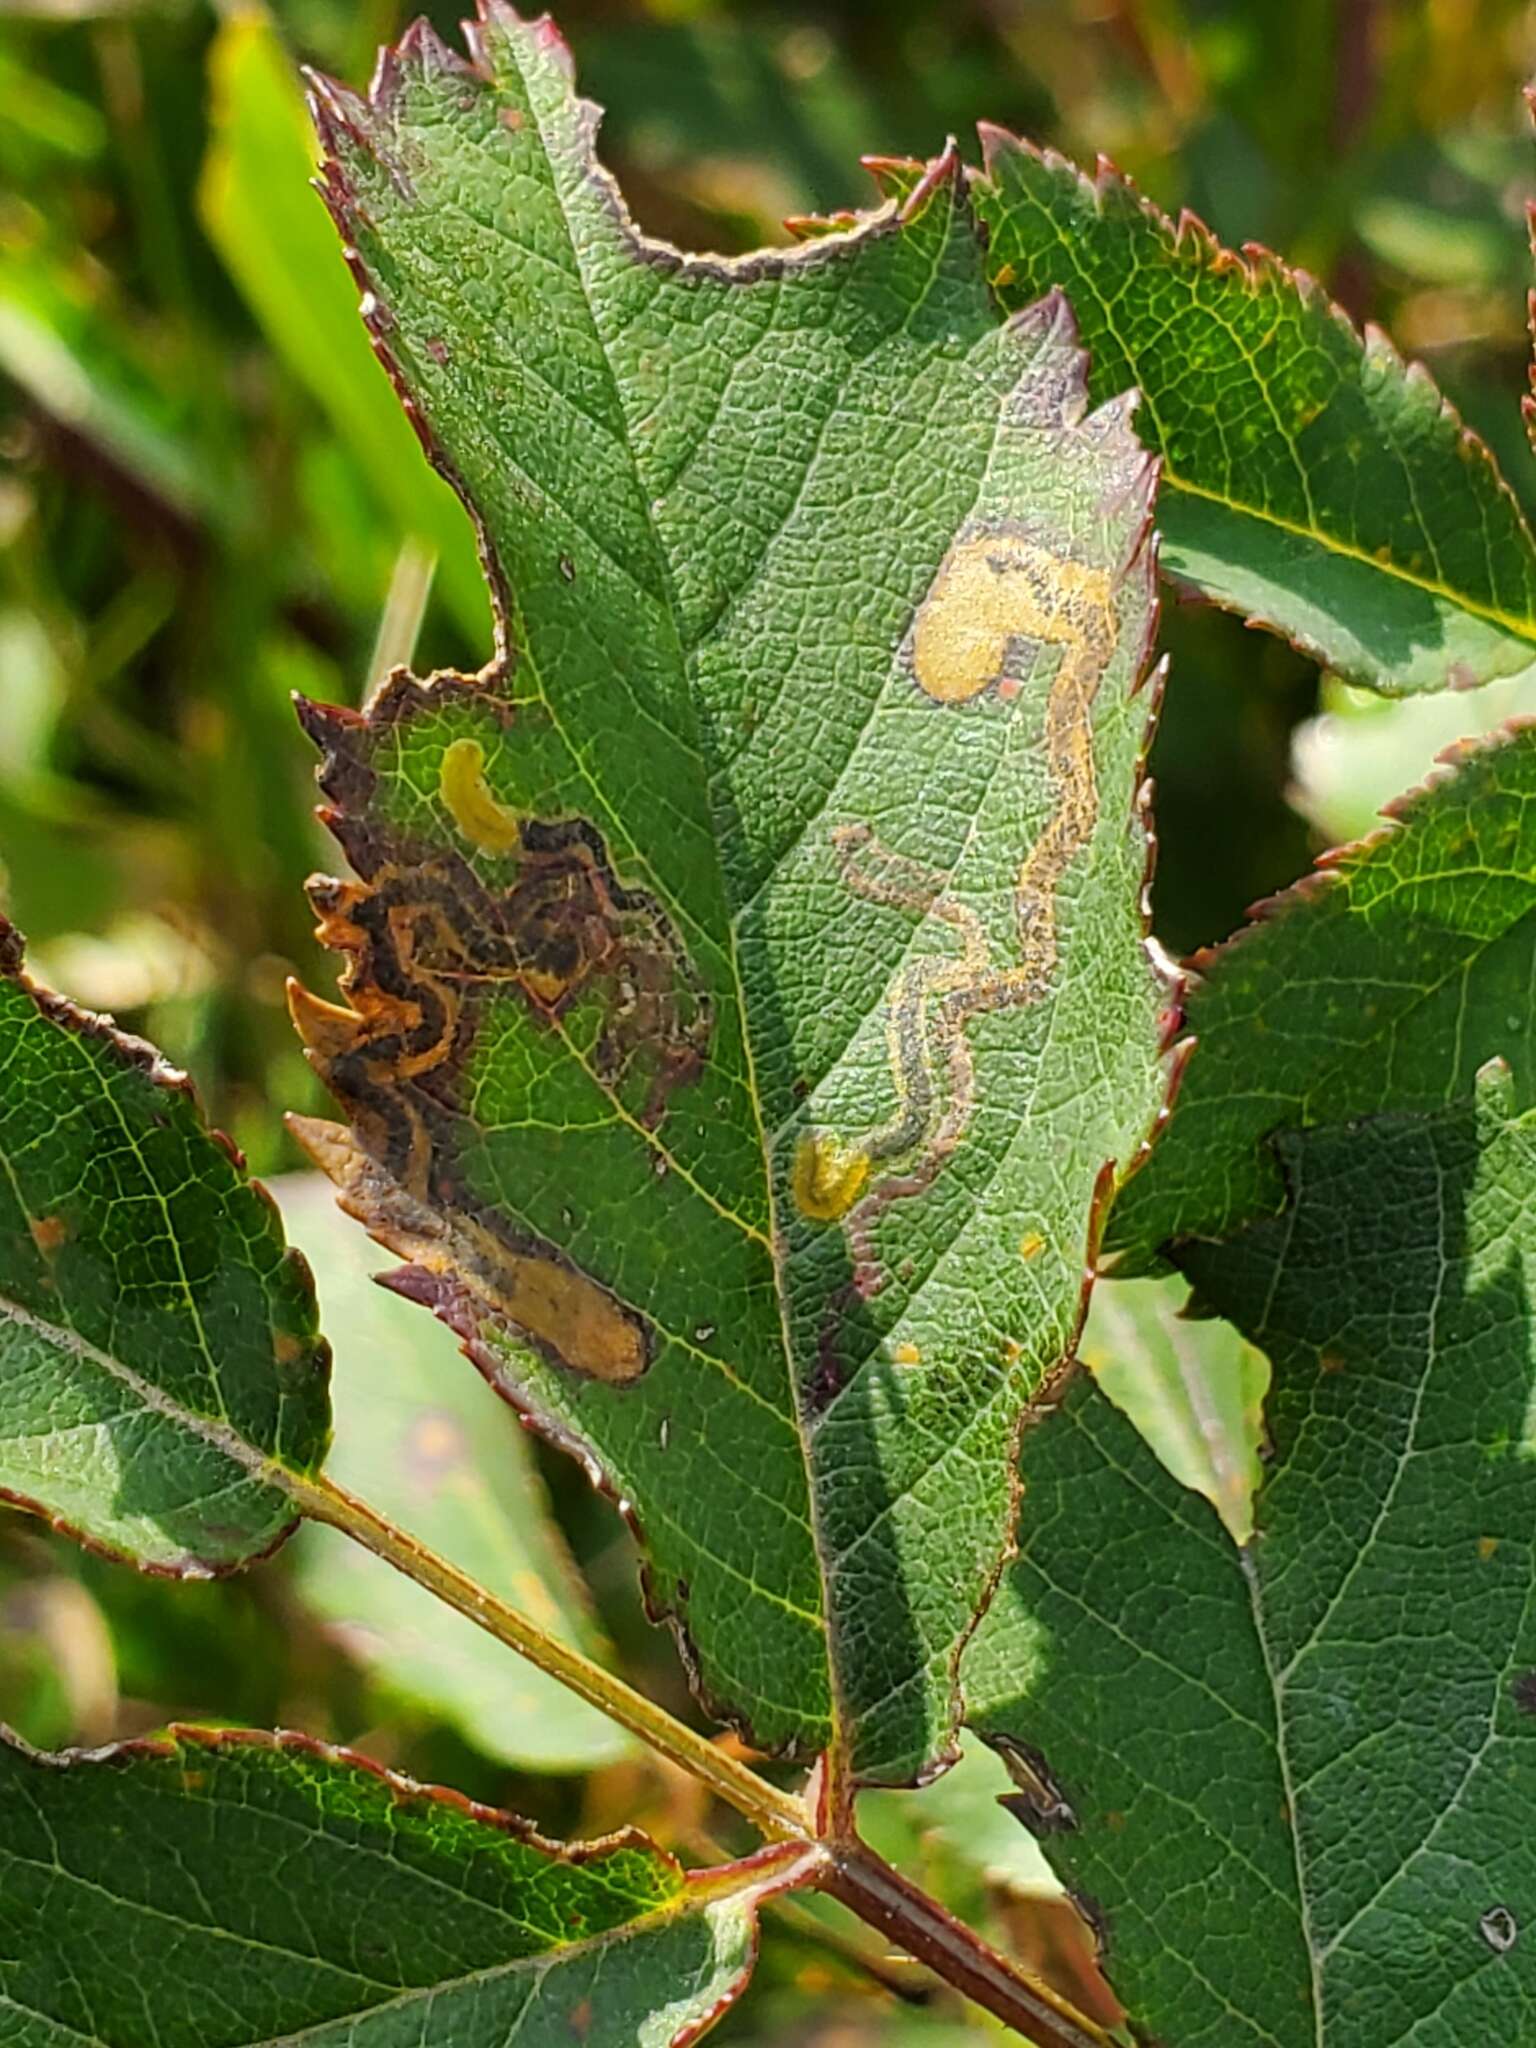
[1294, 1779]
[748, 1008]
[161, 1364]
[430, 1448]
[1382, 981]
[1311, 479]
[250, 1890]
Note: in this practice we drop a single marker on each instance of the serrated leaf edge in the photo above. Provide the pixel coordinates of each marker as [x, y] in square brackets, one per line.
[150, 1061]
[769, 1871]
[906, 185]
[1378, 354]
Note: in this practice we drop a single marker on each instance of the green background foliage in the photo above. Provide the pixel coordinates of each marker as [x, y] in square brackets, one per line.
[209, 499]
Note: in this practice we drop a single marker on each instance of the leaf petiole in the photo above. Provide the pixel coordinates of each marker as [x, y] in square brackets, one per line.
[779, 1816]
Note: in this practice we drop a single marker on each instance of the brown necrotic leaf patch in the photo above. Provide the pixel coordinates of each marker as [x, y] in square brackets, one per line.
[433, 935]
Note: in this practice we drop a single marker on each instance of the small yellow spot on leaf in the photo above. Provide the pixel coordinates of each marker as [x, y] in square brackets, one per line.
[1004, 277]
[1031, 1245]
[827, 1177]
[907, 1354]
[478, 814]
[1486, 1546]
[286, 1348]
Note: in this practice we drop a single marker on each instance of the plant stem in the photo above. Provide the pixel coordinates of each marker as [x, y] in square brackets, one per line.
[883, 1898]
[777, 1815]
[843, 1867]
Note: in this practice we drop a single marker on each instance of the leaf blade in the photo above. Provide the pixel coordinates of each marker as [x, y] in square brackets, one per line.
[162, 1347]
[405, 1910]
[715, 660]
[1383, 981]
[1297, 452]
[1324, 1673]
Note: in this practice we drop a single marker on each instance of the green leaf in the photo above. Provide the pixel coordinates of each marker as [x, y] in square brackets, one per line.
[159, 1349]
[430, 1447]
[1310, 479]
[1190, 1384]
[1352, 759]
[1384, 981]
[749, 987]
[270, 229]
[962, 1837]
[1300, 1774]
[252, 1890]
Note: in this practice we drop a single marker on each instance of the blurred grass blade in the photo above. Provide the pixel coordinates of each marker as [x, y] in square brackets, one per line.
[410, 585]
[432, 1448]
[270, 228]
[66, 365]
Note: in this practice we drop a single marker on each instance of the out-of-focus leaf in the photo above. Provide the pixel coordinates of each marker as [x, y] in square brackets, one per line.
[246, 1891]
[160, 1354]
[751, 1005]
[1426, 242]
[1360, 751]
[1383, 981]
[1190, 1384]
[431, 1447]
[717, 104]
[43, 119]
[970, 1838]
[1309, 479]
[270, 228]
[1323, 1745]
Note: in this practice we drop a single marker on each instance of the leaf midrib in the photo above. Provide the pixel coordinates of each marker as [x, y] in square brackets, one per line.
[1518, 628]
[728, 945]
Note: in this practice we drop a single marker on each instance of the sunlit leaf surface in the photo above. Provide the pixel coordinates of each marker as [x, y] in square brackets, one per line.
[748, 1003]
[159, 1348]
[1311, 480]
[270, 1891]
[1383, 981]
